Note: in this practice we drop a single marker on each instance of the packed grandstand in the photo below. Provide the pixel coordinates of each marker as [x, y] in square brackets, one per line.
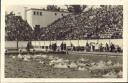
[98, 23]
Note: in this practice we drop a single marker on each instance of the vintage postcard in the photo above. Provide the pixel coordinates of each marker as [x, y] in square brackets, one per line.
[59, 41]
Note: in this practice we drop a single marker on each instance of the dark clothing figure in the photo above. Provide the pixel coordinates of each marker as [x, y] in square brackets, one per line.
[54, 47]
[107, 48]
[112, 48]
[72, 45]
[29, 46]
[118, 49]
[101, 48]
[87, 47]
[74, 48]
[50, 46]
[62, 46]
[93, 48]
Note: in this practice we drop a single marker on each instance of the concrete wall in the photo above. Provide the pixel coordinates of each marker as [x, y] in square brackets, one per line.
[12, 44]
[29, 17]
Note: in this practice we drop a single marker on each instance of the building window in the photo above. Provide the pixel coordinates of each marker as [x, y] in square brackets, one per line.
[34, 13]
[40, 13]
[37, 13]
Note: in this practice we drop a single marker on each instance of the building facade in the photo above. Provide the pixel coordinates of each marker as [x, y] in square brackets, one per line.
[42, 18]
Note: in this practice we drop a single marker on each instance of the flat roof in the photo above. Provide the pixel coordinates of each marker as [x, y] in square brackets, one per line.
[48, 10]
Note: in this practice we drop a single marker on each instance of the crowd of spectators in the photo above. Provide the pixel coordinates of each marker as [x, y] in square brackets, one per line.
[94, 23]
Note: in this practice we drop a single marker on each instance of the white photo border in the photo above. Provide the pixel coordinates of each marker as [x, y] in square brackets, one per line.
[66, 2]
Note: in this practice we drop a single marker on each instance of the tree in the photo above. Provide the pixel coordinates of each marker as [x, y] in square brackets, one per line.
[53, 8]
[76, 8]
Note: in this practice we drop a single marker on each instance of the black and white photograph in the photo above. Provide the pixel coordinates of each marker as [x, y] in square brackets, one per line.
[64, 41]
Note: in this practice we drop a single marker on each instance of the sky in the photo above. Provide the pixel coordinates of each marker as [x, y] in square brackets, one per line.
[19, 9]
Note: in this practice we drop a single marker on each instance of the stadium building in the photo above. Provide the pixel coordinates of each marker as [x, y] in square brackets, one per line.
[41, 17]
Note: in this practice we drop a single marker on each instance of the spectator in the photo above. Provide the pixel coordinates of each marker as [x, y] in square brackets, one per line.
[29, 46]
[112, 47]
[107, 47]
